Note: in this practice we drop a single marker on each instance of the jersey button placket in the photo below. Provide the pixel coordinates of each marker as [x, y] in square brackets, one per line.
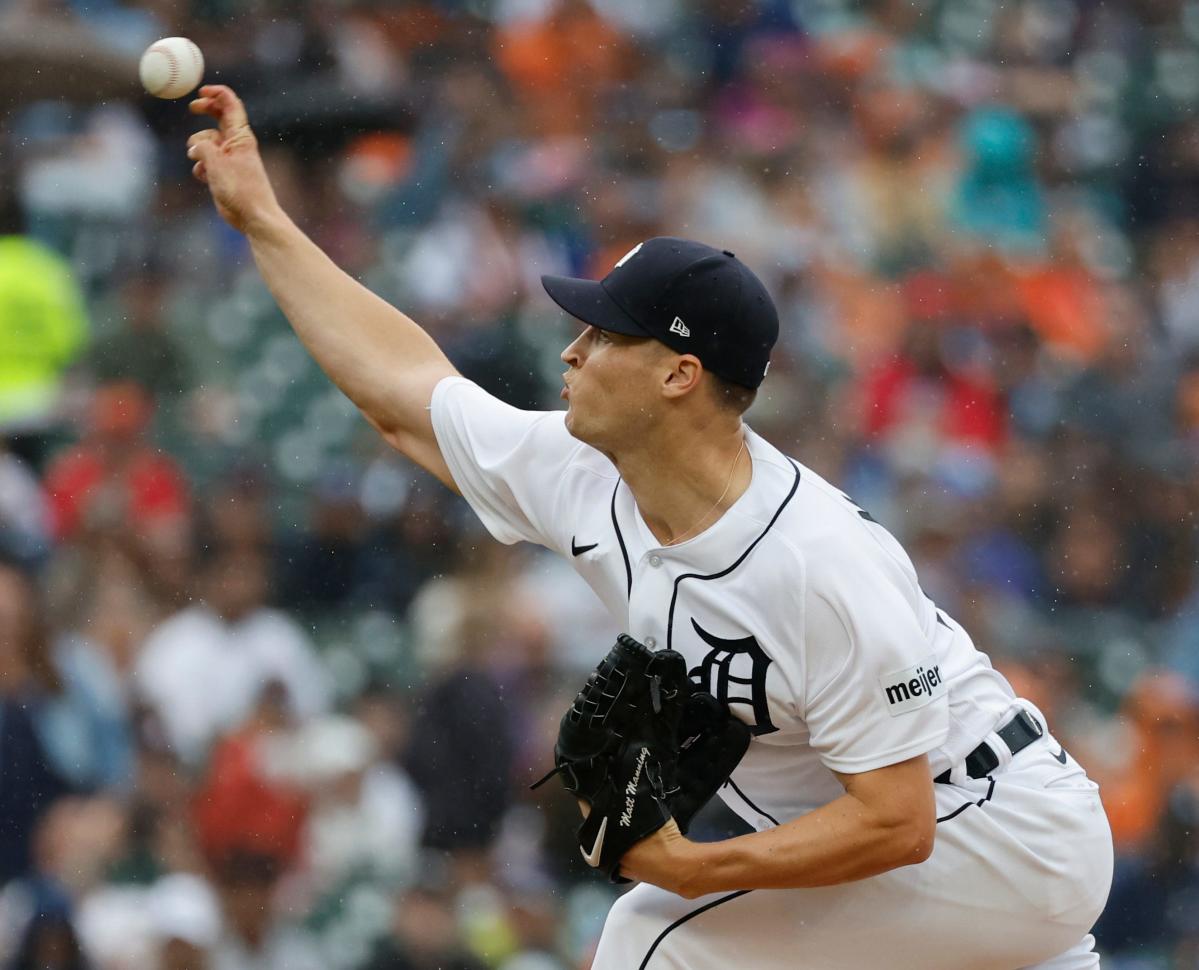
[651, 589]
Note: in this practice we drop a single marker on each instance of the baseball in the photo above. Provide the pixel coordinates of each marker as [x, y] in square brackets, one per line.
[171, 67]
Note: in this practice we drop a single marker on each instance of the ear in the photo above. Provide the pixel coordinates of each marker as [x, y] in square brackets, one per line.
[684, 376]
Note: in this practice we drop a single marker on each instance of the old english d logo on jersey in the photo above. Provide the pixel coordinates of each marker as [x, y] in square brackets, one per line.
[736, 662]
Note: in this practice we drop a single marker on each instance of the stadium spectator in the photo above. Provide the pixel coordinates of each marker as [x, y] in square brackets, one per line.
[62, 724]
[203, 669]
[114, 478]
[253, 935]
[142, 351]
[43, 328]
[24, 512]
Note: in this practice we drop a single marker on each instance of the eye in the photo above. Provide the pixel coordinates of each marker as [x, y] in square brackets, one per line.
[602, 337]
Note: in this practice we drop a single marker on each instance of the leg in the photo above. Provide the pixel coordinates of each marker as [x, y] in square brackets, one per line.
[1011, 882]
[648, 925]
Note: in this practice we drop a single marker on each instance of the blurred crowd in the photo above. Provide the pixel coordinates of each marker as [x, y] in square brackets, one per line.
[271, 700]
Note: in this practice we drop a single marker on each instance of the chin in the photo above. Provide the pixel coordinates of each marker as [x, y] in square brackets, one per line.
[573, 425]
[578, 428]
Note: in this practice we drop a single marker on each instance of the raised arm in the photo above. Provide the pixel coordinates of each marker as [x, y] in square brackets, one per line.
[380, 358]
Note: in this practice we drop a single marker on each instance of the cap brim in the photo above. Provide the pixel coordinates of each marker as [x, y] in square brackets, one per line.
[587, 300]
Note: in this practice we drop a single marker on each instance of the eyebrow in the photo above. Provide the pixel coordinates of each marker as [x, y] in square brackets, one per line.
[622, 338]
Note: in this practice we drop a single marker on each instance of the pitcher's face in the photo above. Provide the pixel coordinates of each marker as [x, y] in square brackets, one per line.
[611, 387]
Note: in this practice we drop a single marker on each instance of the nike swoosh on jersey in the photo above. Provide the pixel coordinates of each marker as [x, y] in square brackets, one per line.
[1061, 756]
[592, 858]
[577, 550]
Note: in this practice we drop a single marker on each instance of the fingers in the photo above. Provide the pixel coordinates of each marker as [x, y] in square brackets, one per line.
[199, 146]
[218, 101]
[201, 137]
[202, 144]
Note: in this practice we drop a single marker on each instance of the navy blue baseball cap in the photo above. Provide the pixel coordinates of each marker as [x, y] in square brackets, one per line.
[693, 298]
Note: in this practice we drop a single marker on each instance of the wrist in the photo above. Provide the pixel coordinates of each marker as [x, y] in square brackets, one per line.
[267, 223]
[699, 866]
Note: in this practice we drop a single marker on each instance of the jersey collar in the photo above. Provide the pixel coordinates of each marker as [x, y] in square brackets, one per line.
[724, 540]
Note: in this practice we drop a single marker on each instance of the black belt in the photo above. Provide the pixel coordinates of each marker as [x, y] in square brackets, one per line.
[1021, 731]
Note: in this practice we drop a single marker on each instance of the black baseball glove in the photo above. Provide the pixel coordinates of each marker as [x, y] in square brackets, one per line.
[711, 744]
[640, 744]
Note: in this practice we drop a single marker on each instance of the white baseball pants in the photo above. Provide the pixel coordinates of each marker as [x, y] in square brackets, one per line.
[1019, 873]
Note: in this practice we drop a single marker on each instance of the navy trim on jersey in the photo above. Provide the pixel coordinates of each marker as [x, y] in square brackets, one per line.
[745, 798]
[628, 569]
[724, 572]
[683, 919]
[958, 811]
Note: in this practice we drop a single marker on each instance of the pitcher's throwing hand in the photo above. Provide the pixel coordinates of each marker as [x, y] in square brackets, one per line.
[227, 159]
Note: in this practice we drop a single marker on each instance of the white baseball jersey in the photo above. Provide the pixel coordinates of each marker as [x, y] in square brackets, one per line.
[796, 608]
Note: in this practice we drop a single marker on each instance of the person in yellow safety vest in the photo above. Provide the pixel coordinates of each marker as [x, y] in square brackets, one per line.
[43, 327]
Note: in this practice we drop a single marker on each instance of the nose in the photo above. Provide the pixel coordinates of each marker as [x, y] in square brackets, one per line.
[572, 356]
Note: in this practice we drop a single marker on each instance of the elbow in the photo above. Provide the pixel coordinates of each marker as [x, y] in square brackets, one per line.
[921, 847]
[904, 839]
[914, 843]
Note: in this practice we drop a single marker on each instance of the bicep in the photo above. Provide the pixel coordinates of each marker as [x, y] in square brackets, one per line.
[417, 441]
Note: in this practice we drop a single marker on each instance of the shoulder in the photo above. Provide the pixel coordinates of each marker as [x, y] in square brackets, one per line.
[841, 551]
[456, 399]
[807, 516]
[540, 436]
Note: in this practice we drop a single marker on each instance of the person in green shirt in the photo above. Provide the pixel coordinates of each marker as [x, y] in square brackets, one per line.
[43, 327]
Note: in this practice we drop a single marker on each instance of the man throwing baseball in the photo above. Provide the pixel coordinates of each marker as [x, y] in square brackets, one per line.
[910, 810]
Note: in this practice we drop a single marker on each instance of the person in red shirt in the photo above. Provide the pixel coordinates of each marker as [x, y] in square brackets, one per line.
[917, 389]
[114, 476]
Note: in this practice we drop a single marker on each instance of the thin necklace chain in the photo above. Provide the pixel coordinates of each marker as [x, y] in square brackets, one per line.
[727, 485]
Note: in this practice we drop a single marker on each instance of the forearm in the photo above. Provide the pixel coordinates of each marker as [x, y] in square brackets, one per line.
[842, 841]
[380, 358]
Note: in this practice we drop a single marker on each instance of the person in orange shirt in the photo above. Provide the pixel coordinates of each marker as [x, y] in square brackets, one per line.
[561, 66]
[1162, 715]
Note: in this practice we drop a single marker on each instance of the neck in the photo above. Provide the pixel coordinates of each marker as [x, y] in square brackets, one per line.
[683, 483]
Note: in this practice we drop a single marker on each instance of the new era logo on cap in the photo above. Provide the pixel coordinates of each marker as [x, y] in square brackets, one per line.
[731, 322]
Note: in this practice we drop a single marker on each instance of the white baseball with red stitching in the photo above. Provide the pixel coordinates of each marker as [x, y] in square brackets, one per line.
[171, 67]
